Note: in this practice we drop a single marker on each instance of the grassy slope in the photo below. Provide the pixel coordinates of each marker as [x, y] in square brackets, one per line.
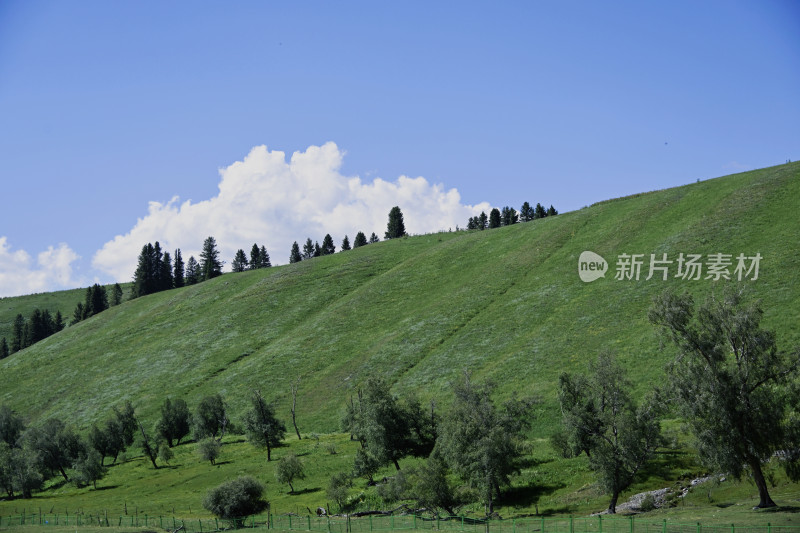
[506, 304]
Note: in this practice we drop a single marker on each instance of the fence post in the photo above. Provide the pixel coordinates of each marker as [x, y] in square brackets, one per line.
[631, 524]
[664, 529]
[542, 528]
[309, 522]
[571, 525]
[201, 525]
[415, 520]
[370, 522]
[600, 522]
[769, 527]
[290, 521]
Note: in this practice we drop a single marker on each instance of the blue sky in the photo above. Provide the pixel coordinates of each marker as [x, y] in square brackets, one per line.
[123, 123]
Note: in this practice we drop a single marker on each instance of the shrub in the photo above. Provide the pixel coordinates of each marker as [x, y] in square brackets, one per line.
[338, 488]
[648, 503]
[237, 499]
[208, 450]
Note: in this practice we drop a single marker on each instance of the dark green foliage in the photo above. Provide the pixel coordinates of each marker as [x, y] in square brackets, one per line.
[165, 453]
[4, 352]
[239, 263]
[294, 255]
[11, 426]
[360, 240]
[210, 265]
[373, 238]
[480, 442]
[395, 227]
[472, 223]
[494, 218]
[387, 428]
[308, 249]
[526, 212]
[165, 280]
[78, 313]
[729, 381]
[89, 468]
[237, 499]
[539, 212]
[263, 258]
[57, 445]
[345, 244]
[328, 247]
[178, 270]
[288, 469]
[255, 257]
[96, 301]
[116, 295]
[317, 250]
[175, 421]
[601, 418]
[483, 221]
[551, 211]
[18, 333]
[508, 216]
[263, 428]
[211, 418]
[259, 258]
[193, 273]
[209, 449]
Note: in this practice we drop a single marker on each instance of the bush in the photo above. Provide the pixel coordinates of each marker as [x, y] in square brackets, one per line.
[648, 503]
[560, 443]
[208, 450]
[236, 500]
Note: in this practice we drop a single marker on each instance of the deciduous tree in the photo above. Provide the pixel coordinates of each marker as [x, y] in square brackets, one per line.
[601, 417]
[263, 427]
[731, 382]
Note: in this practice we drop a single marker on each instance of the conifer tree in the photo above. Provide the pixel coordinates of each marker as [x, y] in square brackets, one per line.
[373, 238]
[18, 333]
[526, 212]
[345, 244]
[255, 257]
[294, 255]
[539, 212]
[494, 218]
[483, 221]
[360, 239]
[210, 265]
[395, 227]
[328, 247]
[308, 249]
[178, 271]
[551, 211]
[263, 257]
[165, 280]
[58, 322]
[317, 249]
[116, 297]
[192, 271]
[508, 216]
[239, 263]
[3, 348]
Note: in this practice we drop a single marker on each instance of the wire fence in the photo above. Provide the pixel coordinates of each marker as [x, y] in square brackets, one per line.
[349, 524]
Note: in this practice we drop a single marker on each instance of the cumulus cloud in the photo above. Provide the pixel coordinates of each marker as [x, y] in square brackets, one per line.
[52, 271]
[266, 200]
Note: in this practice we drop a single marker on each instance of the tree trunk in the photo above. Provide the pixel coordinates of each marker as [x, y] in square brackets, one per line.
[291, 488]
[294, 406]
[61, 469]
[269, 452]
[763, 494]
[612, 506]
[396, 464]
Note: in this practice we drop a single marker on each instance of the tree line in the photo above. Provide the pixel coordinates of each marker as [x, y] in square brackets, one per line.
[508, 216]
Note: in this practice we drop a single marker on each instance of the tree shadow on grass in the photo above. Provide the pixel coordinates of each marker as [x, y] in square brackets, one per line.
[528, 495]
[305, 491]
[530, 462]
[107, 487]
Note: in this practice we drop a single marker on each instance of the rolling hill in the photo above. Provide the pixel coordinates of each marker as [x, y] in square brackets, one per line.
[505, 304]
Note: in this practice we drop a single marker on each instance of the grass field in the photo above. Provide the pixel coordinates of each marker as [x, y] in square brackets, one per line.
[506, 305]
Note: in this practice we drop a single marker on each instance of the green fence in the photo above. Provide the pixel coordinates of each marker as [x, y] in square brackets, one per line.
[344, 524]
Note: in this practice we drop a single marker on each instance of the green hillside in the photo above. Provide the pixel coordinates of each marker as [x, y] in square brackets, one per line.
[505, 304]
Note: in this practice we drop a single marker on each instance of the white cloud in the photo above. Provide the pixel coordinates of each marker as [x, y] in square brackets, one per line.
[53, 270]
[266, 200]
